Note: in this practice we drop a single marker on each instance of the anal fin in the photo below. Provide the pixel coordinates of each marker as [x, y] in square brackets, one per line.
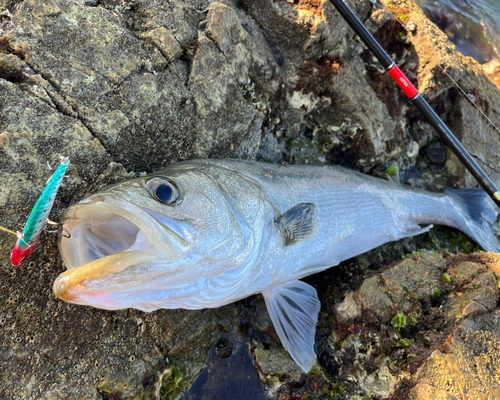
[294, 308]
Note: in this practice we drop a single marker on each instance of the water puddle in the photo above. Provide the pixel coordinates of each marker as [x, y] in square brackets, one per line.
[228, 373]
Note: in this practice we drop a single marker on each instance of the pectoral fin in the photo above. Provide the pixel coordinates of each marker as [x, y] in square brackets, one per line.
[294, 308]
[297, 223]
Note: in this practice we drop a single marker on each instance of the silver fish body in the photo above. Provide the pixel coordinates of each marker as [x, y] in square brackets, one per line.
[236, 228]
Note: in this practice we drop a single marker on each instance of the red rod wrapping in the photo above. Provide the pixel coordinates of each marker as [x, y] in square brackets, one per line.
[402, 82]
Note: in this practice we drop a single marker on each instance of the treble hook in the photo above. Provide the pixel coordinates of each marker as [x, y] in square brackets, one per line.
[60, 227]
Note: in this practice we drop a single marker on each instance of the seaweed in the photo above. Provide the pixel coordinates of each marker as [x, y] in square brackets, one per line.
[318, 77]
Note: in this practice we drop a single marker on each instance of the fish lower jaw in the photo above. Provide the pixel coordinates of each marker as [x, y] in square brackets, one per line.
[102, 277]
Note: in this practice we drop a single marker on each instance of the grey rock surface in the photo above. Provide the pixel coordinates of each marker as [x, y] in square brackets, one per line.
[125, 87]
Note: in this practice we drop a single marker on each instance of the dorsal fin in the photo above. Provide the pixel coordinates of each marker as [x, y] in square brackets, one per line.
[297, 223]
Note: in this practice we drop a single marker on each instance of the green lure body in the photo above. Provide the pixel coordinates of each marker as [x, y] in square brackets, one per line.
[39, 215]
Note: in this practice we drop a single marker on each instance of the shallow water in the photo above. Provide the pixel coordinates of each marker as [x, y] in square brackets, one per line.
[228, 374]
[472, 25]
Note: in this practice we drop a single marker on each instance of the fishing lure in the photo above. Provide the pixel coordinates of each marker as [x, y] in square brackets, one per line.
[27, 240]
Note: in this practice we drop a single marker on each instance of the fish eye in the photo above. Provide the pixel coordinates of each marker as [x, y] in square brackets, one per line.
[163, 190]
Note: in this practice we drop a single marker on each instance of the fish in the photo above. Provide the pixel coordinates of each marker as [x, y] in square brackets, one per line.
[206, 233]
[28, 239]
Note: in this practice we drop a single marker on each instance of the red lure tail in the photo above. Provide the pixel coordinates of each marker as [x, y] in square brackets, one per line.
[19, 254]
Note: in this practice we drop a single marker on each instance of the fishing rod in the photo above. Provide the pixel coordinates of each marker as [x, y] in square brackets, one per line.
[414, 95]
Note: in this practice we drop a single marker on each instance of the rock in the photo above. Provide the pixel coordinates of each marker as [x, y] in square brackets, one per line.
[166, 42]
[468, 366]
[492, 70]
[458, 314]
[438, 67]
[348, 309]
[379, 383]
[272, 362]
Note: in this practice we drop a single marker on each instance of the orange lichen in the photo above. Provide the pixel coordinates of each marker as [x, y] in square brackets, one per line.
[313, 6]
[492, 261]
[9, 48]
[495, 77]
[310, 12]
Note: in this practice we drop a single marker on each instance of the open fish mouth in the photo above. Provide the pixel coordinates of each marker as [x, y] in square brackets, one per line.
[106, 225]
[103, 234]
[112, 241]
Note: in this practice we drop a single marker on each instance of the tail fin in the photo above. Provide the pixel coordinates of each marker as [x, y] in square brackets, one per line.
[479, 214]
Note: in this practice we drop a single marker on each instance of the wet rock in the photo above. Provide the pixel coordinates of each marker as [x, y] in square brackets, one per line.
[223, 348]
[275, 365]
